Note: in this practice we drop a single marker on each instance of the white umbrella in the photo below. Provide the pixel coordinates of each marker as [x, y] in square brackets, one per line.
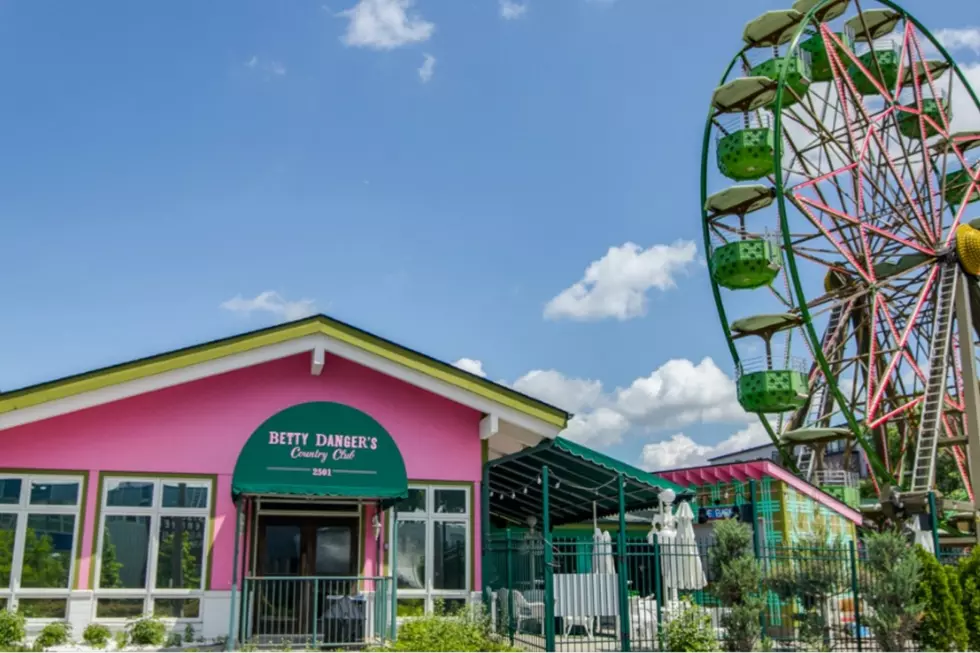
[690, 572]
[598, 565]
[921, 537]
[667, 537]
[610, 564]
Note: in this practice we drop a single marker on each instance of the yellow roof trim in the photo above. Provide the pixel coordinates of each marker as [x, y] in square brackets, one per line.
[320, 324]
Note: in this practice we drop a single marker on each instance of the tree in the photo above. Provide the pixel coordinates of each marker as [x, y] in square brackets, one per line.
[894, 572]
[969, 577]
[737, 580]
[42, 565]
[942, 627]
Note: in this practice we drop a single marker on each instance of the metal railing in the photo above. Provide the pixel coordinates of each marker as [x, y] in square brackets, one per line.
[316, 611]
[835, 477]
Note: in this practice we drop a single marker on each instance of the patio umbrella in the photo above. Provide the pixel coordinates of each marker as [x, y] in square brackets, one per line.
[667, 537]
[689, 570]
[608, 551]
[921, 536]
[598, 565]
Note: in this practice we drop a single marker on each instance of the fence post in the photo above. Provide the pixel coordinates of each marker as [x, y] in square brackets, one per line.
[856, 597]
[549, 572]
[757, 550]
[624, 611]
[394, 572]
[316, 605]
[510, 592]
[658, 590]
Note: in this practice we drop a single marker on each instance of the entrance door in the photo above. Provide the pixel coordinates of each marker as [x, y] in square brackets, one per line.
[291, 551]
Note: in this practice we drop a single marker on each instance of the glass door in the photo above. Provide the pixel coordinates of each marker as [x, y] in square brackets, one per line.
[292, 550]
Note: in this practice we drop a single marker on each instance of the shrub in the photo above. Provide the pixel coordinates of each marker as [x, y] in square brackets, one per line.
[122, 639]
[894, 572]
[189, 633]
[464, 630]
[13, 629]
[174, 640]
[969, 575]
[942, 627]
[690, 631]
[96, 635]
[737, 581]
[54, 634]
[148, 632]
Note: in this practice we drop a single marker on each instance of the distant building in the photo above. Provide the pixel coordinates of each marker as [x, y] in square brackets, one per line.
[834, 458]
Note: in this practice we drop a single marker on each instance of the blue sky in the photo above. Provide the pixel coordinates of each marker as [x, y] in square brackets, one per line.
[440, 173]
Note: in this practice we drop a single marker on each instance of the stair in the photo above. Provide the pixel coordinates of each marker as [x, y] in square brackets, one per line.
[930, 425]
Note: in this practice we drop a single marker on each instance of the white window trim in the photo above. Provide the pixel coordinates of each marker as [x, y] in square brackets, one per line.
[155, 512]
[14, 592]
[430, 517]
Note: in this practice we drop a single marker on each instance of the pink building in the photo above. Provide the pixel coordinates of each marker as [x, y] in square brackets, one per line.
[120, 488]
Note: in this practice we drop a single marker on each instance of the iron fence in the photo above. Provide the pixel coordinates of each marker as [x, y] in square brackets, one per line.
[316, 611]
[623, 595]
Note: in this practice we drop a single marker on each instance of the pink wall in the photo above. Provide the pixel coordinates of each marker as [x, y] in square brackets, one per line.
[199, 428]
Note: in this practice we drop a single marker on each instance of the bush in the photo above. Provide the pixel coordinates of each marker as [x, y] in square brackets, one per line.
[894, 572]
[13, 629]
[148, 632]
[122, 639]
[461, 631]
[732, 564]
[96, 635]
[690, 631]
[174, 640]
[969, 576]
[942, 627]
[54, 634]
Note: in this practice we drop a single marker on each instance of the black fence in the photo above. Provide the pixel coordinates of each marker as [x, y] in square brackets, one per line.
[598, 598]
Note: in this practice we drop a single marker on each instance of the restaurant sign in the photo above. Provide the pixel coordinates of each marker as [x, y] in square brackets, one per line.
[321, 449]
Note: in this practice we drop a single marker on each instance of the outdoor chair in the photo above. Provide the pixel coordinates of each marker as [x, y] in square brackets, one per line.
[525, 610]
[643, 619]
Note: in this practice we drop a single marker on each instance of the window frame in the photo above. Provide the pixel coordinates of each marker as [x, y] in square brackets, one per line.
[429, 594]
[14, 591]
[156, 512]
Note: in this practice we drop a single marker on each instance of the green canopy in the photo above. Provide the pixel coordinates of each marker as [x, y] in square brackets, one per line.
[321, 449]
[579, 477]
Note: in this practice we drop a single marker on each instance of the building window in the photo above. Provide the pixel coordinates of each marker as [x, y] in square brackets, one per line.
[153, 546]
[434, 549]
[38, 535]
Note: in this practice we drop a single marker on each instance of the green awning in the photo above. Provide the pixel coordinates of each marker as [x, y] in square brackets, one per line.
[580, 477]
[321, 449]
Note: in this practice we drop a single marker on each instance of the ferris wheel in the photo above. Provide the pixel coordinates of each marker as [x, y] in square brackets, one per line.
[840, 166]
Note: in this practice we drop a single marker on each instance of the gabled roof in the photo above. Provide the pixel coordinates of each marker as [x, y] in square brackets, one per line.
[317, 332]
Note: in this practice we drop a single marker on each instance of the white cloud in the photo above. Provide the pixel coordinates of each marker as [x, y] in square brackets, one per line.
[676, 394]
[384, 25]
[617, 284]
[573, 395]
[958, 39]
[269, 68]
[427, 68]
[509, 10]
[679, 393]
[599, 428]
[471, 365]
[271, 302]
[681, 451]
